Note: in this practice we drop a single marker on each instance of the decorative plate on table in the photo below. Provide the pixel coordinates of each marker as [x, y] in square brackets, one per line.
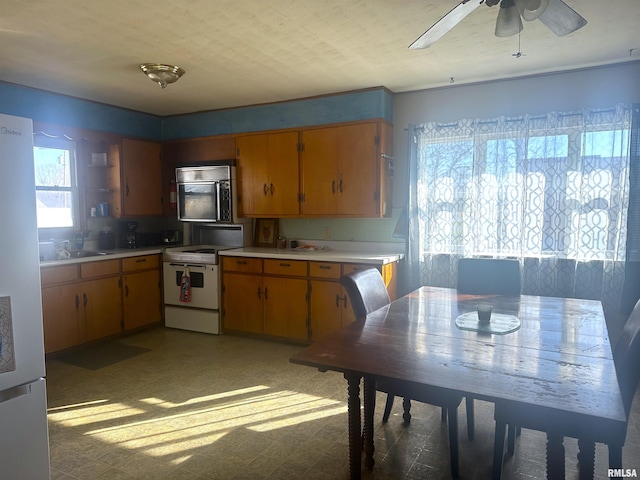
[499, 324]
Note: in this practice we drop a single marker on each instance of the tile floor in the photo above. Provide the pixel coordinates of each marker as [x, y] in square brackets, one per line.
[201, 407]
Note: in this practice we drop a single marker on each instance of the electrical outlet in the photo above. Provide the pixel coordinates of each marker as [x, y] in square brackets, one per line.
[327, 233]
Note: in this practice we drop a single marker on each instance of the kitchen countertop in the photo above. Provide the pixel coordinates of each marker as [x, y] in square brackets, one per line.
[324, 255]
[112, 255]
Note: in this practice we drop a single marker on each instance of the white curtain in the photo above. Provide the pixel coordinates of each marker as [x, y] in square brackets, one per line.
[551, 191]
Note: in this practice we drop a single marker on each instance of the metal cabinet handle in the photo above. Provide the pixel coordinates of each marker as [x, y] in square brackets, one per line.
[266, 293]
[126, 290]
[333, 186]
[282, 264]
[141, 260]
[337, 301]
[84, 299]
[340, 186]
[271, 188]
[77, 301]
[325, 267]
[265, 189]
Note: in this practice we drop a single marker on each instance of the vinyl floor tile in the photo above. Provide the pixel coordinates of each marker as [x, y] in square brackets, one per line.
[202, 407]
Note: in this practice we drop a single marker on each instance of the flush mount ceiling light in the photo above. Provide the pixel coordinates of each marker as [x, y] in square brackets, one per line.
[163, 75]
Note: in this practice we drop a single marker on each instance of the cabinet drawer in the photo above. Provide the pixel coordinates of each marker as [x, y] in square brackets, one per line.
[140, 263]
[296, 268]
[324, 270]
[241, 264]
[100, 269]
[348, 268]
[51, 275]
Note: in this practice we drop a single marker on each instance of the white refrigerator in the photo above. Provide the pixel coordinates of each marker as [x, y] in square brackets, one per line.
[24, 439]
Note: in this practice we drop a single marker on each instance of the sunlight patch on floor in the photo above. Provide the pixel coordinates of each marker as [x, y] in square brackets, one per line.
[161, 428]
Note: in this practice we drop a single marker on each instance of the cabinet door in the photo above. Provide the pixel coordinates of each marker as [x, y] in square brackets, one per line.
[102, 307]
[358, 182]
[267, 174]
[286, 307]
[325, 308]
[252, 172]
[283, 174]
[62, 317]
[142, 178]
[242, 303]
[141, 299]
[319, 171]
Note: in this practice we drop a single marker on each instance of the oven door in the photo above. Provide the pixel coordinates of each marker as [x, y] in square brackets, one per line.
[199, 202]
[205, 292]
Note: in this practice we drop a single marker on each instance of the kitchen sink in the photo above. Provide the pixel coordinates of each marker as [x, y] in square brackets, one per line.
[84, 254]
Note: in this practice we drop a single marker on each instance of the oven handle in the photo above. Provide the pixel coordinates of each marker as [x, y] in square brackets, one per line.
[187, 265]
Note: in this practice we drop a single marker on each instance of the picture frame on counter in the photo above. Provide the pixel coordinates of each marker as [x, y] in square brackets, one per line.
[266, 232]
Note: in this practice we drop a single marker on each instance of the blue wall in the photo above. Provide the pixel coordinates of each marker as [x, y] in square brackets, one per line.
[73, 112]
[48, 107]
[345, 107]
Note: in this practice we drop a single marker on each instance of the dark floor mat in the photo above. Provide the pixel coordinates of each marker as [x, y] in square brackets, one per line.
[101, 355]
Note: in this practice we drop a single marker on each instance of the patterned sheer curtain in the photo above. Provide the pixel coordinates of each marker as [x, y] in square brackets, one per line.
[551, 191]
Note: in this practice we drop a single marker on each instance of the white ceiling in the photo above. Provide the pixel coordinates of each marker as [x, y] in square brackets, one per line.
[243, 52]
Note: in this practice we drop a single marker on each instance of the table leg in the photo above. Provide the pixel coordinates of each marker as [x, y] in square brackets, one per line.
[353, 413]
[555, 456]
[586, 458]
[369, 409]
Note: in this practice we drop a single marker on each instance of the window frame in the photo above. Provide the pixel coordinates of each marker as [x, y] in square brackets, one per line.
[43, 141]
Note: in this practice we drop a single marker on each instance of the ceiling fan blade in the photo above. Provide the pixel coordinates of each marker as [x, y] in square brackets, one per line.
[561, 19]
[445, 24]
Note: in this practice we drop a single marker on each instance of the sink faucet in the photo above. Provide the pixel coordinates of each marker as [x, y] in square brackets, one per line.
[62, 249]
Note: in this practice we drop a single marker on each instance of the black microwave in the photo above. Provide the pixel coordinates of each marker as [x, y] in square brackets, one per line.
[206, 193]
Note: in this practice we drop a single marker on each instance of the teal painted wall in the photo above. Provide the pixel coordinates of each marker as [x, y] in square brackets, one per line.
[74, 112]
[344, 107]
[49, 107]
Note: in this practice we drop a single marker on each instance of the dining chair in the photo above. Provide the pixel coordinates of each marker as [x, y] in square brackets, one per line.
[626, 356]
[367, 293]
[487, 276]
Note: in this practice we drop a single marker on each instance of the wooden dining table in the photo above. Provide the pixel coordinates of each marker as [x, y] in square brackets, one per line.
[558, 362]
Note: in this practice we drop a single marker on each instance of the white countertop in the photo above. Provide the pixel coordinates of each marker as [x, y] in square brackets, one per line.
[111, 255]
[325, 255]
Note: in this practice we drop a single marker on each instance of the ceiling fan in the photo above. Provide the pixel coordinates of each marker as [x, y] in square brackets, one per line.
[559, 17]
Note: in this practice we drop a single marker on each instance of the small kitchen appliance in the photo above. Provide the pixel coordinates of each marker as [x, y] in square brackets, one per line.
[207, 193]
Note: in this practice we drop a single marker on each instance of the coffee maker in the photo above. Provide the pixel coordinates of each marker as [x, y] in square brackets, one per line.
[128, 234]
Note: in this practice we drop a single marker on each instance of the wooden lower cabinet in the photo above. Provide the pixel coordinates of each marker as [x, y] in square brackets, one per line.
[102, 308]
[63, 317]
[85, 302]
[141, 287]
[268, 299]
[141, 299]
[285, 307]
[289, 299]
[329, 308]
[243, 305]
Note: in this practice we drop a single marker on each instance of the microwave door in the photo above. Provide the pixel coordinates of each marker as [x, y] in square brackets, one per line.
[198, 202]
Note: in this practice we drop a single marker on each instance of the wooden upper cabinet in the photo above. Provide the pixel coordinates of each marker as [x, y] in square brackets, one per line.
[343, 172]
[319, 171]
[358, 175]
[267, 174]
[141, 187]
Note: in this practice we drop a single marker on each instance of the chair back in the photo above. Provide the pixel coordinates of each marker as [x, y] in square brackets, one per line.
[366, 290]
[626, 355]
[485, 276]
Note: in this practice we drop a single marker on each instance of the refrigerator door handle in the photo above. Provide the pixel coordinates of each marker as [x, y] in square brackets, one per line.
[15, 392]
